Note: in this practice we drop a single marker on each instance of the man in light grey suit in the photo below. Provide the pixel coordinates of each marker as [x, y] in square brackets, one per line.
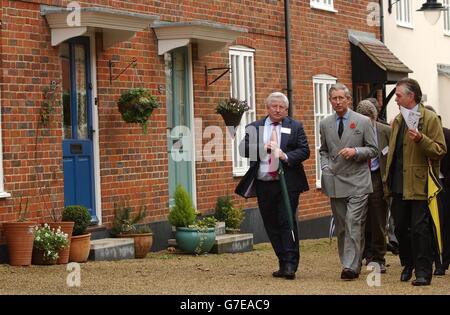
[347, 144]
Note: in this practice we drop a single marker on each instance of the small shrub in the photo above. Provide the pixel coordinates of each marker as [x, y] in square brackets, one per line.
[78, 214]
[226, 212]
[124, 222]
[207, 222]
[183, 212]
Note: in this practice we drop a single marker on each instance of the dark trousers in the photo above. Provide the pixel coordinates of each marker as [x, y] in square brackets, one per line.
[414, 233]
[276, 222]
[444, 217]
[375, 231]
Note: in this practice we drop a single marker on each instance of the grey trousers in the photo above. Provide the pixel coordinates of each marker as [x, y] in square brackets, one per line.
[350, 215]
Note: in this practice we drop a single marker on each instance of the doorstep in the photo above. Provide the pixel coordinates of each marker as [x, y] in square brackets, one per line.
[112, 249]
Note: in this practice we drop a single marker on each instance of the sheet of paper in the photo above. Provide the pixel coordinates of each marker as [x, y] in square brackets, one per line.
[411, 117]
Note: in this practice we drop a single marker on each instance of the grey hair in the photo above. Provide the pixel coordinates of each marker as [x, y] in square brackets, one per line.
[366, 108]
[339, 86]
[277, 96]
[411, 86]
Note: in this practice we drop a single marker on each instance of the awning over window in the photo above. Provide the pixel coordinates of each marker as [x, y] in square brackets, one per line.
[444, 70]
[372, 61]
[209, 36]
[116, 25]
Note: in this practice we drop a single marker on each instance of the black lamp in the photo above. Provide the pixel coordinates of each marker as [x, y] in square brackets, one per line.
[431, 9]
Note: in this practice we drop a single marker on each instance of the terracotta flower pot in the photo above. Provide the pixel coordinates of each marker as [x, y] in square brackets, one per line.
[20, 238]
[79, 248]
[66, 227]
[142, 243]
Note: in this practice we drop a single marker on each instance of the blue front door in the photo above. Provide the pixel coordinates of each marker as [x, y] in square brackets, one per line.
[77, 125]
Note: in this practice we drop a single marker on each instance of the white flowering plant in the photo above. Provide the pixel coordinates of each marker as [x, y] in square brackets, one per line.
[49, 241]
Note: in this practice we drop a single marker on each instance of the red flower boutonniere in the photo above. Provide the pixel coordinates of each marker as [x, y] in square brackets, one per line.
[352, 125]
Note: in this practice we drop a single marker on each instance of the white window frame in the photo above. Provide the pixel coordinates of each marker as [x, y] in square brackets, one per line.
[447, 18]
[322, 108]
[242, 86]
[404, 13]
[326, 5]
[3, 193]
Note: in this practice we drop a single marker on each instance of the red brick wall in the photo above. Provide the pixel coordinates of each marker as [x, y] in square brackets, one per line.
[134, 165]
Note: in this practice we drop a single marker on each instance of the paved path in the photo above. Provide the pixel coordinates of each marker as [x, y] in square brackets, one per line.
[246, 273]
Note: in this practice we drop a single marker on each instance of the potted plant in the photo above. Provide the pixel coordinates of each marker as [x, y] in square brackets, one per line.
[231, 110]
[80, 243]
[125, 225]
[190, 237]
[232, 216]
[48, 242]
[136, 105]
[20, 236]
[57, 223]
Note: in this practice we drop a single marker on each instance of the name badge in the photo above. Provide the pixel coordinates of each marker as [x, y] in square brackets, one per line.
[385, 150]
[286, 130]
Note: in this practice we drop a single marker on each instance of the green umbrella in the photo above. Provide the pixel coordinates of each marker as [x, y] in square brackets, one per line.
[287, 203]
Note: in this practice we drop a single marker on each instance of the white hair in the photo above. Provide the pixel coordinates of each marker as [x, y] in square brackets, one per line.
[278, 96]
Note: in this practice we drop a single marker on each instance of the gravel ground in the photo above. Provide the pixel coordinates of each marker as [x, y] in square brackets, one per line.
[235, 274]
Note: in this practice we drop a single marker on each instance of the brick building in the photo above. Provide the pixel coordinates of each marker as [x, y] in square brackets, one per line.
[62, 136]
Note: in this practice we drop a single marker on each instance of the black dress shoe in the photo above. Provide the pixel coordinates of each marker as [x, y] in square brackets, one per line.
[421, 281]
[289, 272]
[393, 248]
[348, 274]
[406, 273]
[439, 271]
[278, 274]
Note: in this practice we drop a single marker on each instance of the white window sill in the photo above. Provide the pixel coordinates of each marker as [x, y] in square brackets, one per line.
[322, 7]
[405, 25]
[4, 194]
[239, 173]
[447, 33]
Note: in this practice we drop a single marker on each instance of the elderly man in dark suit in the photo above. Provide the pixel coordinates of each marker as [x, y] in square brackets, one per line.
[375, 232]
[276, 139]
[347, 143]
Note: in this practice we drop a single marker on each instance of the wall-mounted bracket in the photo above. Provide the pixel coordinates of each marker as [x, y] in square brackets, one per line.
[207, 83]
[133, 63]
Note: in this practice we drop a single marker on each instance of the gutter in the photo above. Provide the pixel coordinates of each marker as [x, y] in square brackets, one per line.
[287, 31]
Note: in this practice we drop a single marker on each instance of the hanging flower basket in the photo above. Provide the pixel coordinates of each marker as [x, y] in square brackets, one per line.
[136, 105]
[231, 111]
[231, 119]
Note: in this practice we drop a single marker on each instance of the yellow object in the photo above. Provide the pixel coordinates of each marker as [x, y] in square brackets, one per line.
[434, 187]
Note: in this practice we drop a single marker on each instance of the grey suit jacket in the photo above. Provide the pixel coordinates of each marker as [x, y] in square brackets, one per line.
[340, 177]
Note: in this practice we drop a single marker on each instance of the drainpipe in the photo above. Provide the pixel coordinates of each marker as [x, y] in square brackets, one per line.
[382, 113]
[381, 22]
[287, 32]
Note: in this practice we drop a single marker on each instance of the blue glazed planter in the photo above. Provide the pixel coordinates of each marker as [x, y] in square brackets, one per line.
[193, 241]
